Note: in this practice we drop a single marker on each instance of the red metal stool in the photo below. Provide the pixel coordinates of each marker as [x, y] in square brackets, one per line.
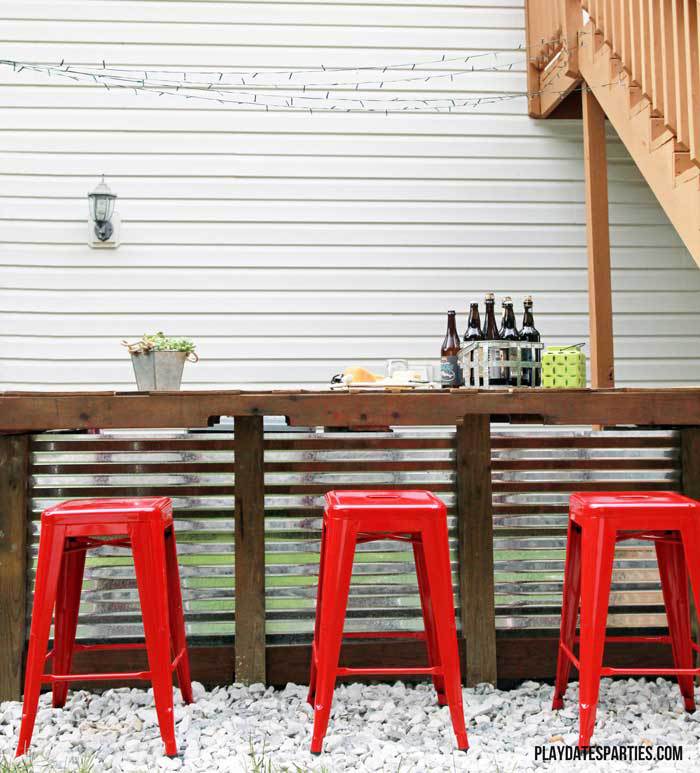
[354, 517]
[596, 523]
[67, 532]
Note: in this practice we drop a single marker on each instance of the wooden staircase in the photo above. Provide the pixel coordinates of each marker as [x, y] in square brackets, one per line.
[639, 58]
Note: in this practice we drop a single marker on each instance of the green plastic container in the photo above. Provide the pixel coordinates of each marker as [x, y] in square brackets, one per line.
[564, 367]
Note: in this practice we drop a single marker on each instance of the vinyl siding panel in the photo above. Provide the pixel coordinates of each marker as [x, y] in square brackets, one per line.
[289, 245]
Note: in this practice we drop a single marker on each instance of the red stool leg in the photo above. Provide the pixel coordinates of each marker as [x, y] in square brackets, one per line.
[148, 545]
[317, 624]
[311, 695]
[674, 584]
[569, 614]
[47, 572]
[70, 583]
[177, 617]
[335, 580]
[428, 619]
[437, 561]
[598, 550]
[690, 535]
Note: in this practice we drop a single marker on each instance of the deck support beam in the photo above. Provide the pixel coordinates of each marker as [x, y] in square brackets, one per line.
[598, 238]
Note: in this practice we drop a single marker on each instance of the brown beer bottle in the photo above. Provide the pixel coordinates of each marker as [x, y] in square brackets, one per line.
[450, 366]
[473, 333]
[529, 332]
[490, 331]
[497, 375]
[509, 333]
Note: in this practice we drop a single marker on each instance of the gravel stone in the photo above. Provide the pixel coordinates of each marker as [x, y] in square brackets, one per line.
[238, 729]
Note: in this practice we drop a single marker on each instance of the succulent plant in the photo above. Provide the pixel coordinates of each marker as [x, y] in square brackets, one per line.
[159, 342]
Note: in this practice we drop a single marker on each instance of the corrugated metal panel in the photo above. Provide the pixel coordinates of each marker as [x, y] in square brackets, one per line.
[533, 473]
[285, 243]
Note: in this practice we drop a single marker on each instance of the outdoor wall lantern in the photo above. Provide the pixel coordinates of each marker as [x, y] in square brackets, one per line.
[103, 228]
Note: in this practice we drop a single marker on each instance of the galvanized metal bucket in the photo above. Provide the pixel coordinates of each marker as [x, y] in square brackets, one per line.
[158, 370]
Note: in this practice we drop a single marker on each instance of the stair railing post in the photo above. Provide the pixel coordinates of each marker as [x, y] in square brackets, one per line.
[572, 23]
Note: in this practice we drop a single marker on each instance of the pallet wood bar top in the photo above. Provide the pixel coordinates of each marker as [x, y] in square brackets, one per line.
[37, 411]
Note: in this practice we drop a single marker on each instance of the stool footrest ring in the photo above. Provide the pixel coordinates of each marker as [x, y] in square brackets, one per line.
[613, 671]
[402, 671]
[51, 678]
[93, 647]
[124, 646]
[608, 671]
[92, 677]
[385, 635]
[660, 639]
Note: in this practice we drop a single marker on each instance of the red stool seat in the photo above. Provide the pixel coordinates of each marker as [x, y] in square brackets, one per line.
[68, 531]
[597, 521]
[354, 517]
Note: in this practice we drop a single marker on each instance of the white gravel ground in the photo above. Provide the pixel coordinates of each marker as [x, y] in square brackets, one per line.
[373, 728]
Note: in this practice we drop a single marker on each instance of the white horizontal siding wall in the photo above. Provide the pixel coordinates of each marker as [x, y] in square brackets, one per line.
[291, 245]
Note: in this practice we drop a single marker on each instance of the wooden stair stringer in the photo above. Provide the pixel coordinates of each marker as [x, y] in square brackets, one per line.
[674, 185]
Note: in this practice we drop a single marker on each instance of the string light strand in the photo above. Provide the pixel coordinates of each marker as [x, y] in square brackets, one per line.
[290, 73]
[222, 93]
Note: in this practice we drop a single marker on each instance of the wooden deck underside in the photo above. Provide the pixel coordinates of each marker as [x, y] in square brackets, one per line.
[641, 61]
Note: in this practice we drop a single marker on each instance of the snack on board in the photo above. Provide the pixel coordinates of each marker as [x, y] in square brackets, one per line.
[360, 374]
[357, 376]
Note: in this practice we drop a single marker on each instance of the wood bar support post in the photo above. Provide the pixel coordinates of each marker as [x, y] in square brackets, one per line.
[14, 463]
[475, 539]
[250, 550]
[598, 237]
[690, 462]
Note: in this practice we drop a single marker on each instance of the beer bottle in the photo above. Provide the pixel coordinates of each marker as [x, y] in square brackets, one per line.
[497, 376]
[529, 332]
[509, 332]
[450, 366]
[490, 331]
[473, 333]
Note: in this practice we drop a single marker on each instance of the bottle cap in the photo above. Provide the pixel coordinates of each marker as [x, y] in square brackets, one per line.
[507, 299]
[451, 311]
[490, 296]
[528, 299]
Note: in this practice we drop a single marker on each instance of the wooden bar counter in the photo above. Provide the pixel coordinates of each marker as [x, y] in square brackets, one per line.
[34, 411]
[471, 411]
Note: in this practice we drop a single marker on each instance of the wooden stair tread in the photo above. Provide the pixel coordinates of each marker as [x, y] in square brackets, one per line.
[660, 134]
[690, 173]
